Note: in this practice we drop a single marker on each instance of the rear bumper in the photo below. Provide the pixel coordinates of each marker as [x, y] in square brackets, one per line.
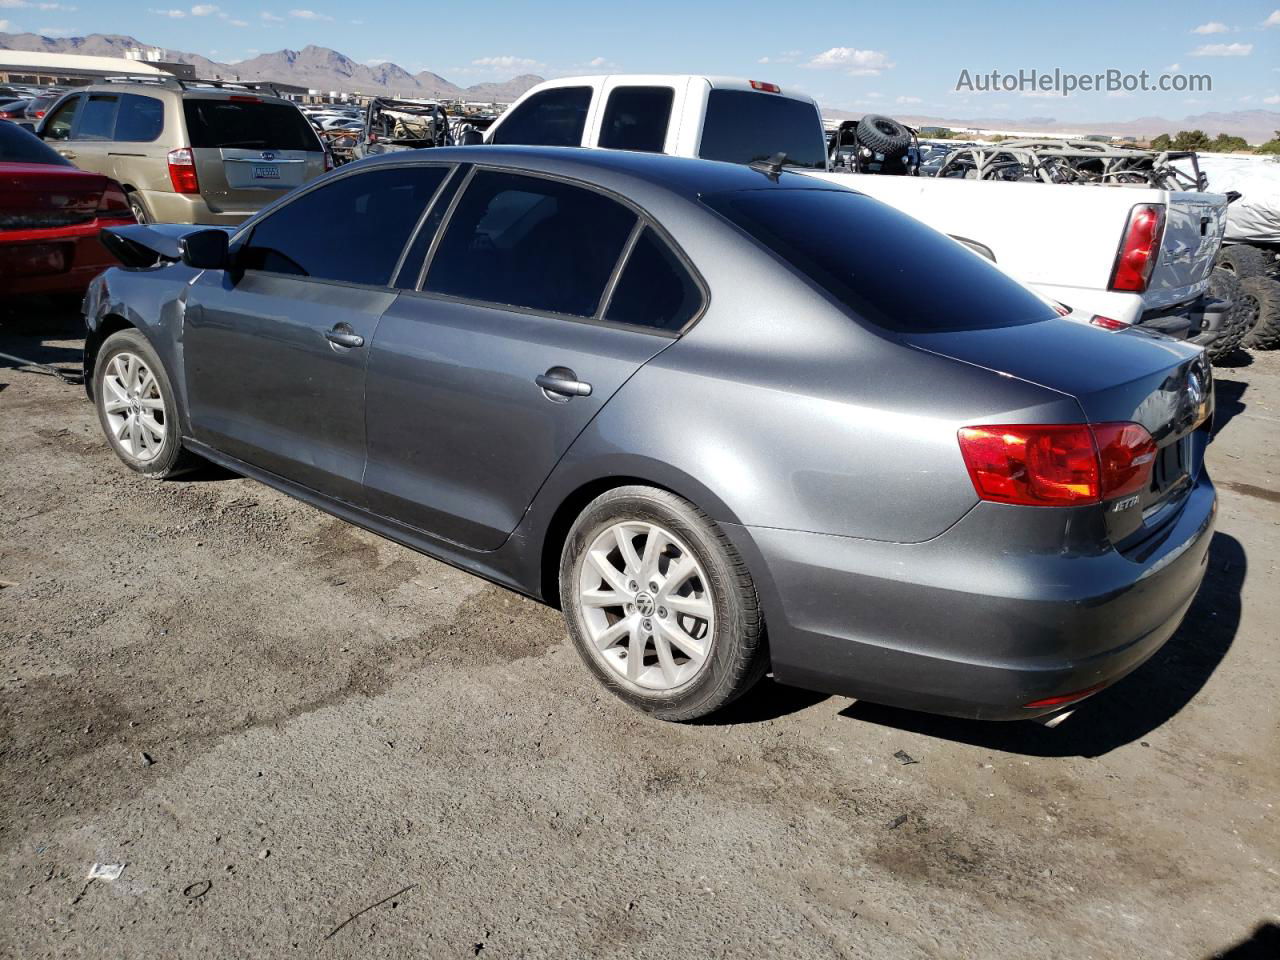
[168, 207]
[972, 623]
[27, 268]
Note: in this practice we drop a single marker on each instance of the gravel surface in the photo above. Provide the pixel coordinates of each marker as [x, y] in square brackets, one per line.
[277, 722]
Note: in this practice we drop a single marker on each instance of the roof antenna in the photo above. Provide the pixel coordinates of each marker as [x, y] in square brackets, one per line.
[771, 167]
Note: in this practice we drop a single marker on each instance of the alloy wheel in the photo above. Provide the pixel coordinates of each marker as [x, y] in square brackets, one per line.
[647, 605]
[134, 406]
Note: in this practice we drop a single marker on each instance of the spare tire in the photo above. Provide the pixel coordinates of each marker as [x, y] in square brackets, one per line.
[1266, 331]
[1226, 286]
[1245, 261]
[883, 135]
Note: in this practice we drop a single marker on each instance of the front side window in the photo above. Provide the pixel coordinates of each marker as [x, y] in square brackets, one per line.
[58, 126]
[636, 118]
[352, 229]
[19, 146]
[98, 117]
[552, 118]
[743, 126]
[655, 289]
[140, 119]
[247, 123]
[530, 242]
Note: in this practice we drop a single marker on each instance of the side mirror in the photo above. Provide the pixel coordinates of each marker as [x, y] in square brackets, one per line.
[471, 137]
[205, 250]
[30, 127]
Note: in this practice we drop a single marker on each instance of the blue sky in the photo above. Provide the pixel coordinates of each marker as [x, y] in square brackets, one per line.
[903, 59]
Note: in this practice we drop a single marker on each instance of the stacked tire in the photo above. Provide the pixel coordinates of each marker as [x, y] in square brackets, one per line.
[1255, 269]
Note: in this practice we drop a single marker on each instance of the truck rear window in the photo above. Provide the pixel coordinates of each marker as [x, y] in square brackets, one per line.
[742, 126]
[248, 124]
[886, 268]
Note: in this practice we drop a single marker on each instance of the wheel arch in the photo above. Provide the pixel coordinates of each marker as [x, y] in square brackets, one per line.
[94, 338]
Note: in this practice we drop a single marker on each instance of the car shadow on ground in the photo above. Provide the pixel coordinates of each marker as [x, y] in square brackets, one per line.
[1263, 945]
[1228, 397]
[1128, 711]
[30, 329]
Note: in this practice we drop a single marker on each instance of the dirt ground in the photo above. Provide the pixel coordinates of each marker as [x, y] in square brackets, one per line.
[276, 721]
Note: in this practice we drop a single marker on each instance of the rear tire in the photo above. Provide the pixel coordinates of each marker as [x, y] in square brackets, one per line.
[137, 407]
[1245, 261]
[1266, 332]
[139, 208]
[680, 651]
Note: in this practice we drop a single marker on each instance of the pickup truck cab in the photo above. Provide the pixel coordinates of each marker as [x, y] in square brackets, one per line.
[1115, 255]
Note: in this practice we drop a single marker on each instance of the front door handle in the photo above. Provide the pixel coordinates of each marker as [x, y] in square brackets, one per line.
[344, 336]
[69, 154]
[561, 383]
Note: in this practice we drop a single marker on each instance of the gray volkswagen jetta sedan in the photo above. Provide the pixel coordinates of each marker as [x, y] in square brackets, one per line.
[730, 420]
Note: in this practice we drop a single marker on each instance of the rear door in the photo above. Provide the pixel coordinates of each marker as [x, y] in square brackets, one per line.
[275, 350]
[134, 157]
[523, 330]
[248, 150]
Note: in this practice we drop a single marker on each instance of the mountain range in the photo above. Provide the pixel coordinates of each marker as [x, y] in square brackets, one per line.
[318, 68]
[321, 68]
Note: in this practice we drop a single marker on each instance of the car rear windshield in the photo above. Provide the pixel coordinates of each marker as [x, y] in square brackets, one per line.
[249, 124]
[19, 146]
[886, 268]
[742, 126]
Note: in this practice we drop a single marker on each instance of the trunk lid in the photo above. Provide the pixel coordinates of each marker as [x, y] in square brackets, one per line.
[1194, 225]
[36, 196]
[1127, 376]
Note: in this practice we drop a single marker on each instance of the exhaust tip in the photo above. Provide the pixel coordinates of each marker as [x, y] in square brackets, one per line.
[1053, 720]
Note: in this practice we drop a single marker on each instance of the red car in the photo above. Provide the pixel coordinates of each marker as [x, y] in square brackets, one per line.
[50, 217]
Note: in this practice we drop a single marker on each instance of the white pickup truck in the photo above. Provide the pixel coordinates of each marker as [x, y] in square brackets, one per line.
[1116, 256]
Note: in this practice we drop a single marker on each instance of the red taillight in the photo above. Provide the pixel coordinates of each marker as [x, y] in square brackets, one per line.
[765, 87]
[182, 171]
[328, 161]
[1061, 309]
[1063, 698]
[1054, 465]
[1138, 249]
[1106, 323]
[39, 114]
[114, 205]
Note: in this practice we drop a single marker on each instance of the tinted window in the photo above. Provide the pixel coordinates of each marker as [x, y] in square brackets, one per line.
[98, 117]
[58, 126]
[743, 126]
[251, 124]
[553, 118]
[655, 289]
[19, 146]
[139, 119]
[531, 243]
[636, 118]
[887, 268]
[352, 229]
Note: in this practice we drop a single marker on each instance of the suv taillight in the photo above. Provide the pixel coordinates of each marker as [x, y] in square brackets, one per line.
[1056, 465]
[1139, 248]
[182, 171]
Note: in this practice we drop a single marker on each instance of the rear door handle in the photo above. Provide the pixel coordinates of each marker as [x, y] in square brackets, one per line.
[343, 336]
[562, 382]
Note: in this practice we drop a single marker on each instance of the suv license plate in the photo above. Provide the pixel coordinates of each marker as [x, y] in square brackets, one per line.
[266, 173]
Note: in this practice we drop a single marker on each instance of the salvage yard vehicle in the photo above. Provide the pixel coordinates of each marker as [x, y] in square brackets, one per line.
[187, 151]
[1117, 257]
[683, 400]
[51, 216]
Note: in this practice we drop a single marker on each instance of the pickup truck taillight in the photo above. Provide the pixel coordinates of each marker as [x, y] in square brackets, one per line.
[1057, 465]
[182, 171]
[1138, 249]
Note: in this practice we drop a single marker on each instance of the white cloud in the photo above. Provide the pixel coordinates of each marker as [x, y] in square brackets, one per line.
[171, 14]
[8, 26]
[597, 62]
[203, 10]
[376, 61]
[909, 100]
[358, 23]
[1213, 26]
[858, 63]
[787, 56]
[1273, 99]
[308, 15]
[56, 32]
[27, 5]
[1273, 20]
[1223, 50]
[271, 17]
[1173, 68]
[1247, 98]
[506, 63]
[1119, 95]
[238, 23]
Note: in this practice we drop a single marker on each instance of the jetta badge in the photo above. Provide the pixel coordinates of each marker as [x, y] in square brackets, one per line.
[268, 155]
[1195, 388]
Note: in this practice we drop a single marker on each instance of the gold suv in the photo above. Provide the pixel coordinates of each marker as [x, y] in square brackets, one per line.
[186, 152]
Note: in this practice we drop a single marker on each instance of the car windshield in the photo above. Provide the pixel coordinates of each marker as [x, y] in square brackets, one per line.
[248, 123]
[885, 267]
[742, 126]
[19, 146]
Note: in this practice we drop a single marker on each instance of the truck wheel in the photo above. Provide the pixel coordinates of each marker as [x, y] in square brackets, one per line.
[1224, 285]
[1266, 293]
[883, 135]
[1245, 261]
[660, 605]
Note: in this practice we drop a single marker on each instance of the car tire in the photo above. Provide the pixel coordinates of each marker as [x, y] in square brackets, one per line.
[1266, 331]
[715, 647]
[133, 396]
[140, 212]
[1226, 285]
[1245, 261]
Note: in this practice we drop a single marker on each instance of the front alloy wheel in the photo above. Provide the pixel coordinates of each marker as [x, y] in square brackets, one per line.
[134, 406]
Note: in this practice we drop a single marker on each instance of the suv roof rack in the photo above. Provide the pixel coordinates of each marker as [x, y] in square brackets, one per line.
[254, 86]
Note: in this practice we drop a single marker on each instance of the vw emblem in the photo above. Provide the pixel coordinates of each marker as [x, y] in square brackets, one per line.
[268, 155]
[1195, 388]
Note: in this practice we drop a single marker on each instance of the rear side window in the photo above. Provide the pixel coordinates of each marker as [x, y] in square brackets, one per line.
[528, 242]
[552, 118]
[636, 118]
[249, 124]
[352, 229]
[98, 117]
[19, 146]
[139, 119]
[886, 268]
[655, 289]
[742, 126]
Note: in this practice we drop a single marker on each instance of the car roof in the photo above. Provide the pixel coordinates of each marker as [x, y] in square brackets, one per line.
[154, 89]
[683, 176]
